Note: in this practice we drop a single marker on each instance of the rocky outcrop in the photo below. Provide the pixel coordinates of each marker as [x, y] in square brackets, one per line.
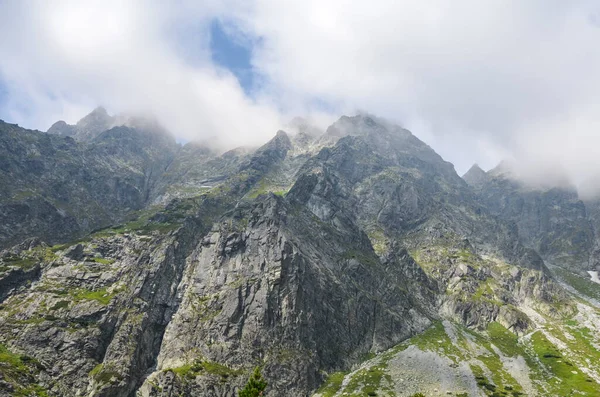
[266, 288]
[552, 221]
[57, 189]
[86, 129]
[475, 176]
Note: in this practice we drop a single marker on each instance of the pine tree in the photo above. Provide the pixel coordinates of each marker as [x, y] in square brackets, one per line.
[255, 386]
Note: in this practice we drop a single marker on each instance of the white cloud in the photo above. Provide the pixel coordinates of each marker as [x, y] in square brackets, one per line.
[65, 56]
[475, 74]
[478, 81]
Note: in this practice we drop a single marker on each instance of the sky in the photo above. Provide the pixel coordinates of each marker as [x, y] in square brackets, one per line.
[477, 81]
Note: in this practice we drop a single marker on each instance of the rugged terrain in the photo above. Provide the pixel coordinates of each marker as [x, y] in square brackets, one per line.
[349, 262]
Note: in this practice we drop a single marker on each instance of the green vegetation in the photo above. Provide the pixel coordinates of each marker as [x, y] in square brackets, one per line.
[105, 374]
[436, 339]
[378, 241]
[503, 339]
[24, 263]
[11, 359]
[200, 366]
[58, 247]
[101, 295]
[153, 220]
[548, 365]
[465, 256]
[582, 342]
[332, 385]
[104, 261]
[27, 260]
[96, 370]
[485, 293]
[23, 194]
[59, 305]
[581, 284]
[203, 309]
[361, 257]
[368, 381]
[263, 187]
[20, 372]
[487, 366]
[565, 376]
[256, 385]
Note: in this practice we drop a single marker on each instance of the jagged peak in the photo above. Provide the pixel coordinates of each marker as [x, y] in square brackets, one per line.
[100, 110]
[98, 114]
[282, 134]
[503, 167]
[281, 140]
[364, 124]
[341, 126]
[475, 175]
[59, 123]
[60, 128]
[531, 175]
[476, 168]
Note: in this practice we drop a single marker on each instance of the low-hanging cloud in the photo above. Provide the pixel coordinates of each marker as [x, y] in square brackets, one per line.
[62, 58]
[479, 81]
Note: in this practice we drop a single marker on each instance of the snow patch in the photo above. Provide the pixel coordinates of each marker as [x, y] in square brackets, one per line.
[594, 276]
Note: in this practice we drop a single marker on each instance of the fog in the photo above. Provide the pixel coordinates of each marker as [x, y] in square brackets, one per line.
[478, 81]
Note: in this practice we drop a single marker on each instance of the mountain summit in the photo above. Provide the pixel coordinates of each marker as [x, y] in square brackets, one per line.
[87, 128]
[475, 176]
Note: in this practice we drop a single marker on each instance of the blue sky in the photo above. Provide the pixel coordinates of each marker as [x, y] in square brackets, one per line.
[232, 54]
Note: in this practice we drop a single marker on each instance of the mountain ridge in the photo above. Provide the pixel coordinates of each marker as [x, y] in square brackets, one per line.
[326, 260]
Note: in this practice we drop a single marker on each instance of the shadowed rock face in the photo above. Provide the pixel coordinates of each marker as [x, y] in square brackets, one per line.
[553, 221]
[87, 128]
[475, 176]
[56, 188]
[303, 257]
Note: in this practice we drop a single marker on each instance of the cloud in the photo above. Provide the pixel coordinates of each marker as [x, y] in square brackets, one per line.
[471, 77]
[478, 81]
[65, 56]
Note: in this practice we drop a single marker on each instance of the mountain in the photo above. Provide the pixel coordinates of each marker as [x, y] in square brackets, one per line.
[57, 188]
[87, 128]
[349, 262]
[554, 221]
[475, 176]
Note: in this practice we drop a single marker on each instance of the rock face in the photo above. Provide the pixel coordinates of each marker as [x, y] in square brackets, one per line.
[271, 287]
[87, 128]
[553, 221]
[56, 188]
[475, 176]
[303, 257]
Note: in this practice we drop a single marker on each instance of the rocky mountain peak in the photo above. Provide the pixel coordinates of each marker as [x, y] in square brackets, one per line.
[280, 142]
[475, 176]
[61, 128]
[504, 169]
[91, 126]
[359, 125]
[87, 128]
[98, 112]
[97, 121]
